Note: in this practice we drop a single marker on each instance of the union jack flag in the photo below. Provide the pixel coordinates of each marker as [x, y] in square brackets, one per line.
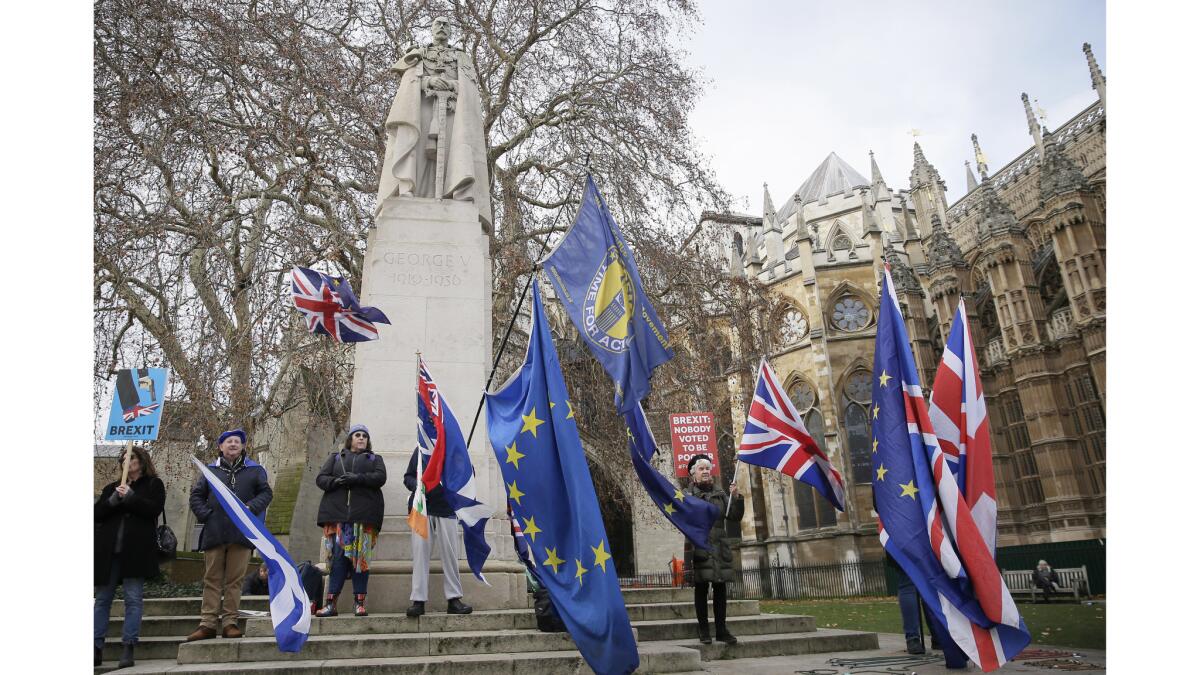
[924, 523]
[130, 414]
[431, 426]
[959, 416]
[775, 437]
[330, 307]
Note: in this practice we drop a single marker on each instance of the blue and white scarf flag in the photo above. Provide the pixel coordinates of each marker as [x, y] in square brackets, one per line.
[289, 602]
[458, 482]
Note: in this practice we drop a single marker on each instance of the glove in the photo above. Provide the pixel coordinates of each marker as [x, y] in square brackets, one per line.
[352, 478]
[340, 481]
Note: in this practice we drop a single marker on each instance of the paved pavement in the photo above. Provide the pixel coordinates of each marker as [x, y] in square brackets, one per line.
[898, 661]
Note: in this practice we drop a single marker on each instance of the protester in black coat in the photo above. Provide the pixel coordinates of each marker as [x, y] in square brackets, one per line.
[714, 566]
[350, 515]
[126, 550]
[226, 549]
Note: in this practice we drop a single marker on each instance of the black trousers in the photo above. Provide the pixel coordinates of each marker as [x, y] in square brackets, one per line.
[718, 604]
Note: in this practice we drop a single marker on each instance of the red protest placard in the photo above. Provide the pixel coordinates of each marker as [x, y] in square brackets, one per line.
[693, 434]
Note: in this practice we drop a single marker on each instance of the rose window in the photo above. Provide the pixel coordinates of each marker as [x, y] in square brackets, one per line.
[850, 314]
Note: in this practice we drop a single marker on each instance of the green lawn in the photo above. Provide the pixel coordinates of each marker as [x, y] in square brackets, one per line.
[1061, 624]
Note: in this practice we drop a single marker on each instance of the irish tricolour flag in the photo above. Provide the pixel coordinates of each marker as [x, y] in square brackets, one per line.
[418, 518]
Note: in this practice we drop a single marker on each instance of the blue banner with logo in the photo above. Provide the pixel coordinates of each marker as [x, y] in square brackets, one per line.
[137, 404]
[593, 273]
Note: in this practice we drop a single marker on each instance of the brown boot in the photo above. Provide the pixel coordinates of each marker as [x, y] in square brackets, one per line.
[202, 633]
[231, 631]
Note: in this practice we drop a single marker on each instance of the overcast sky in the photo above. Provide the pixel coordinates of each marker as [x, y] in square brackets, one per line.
[793, 81]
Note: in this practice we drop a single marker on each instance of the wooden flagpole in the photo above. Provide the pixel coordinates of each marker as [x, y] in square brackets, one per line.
[737, 467]
[125, 462]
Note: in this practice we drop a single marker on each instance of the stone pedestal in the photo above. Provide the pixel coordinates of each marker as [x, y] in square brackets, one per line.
[428, 268]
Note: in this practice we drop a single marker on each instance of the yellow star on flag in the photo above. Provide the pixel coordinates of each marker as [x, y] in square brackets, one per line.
[579, 571]
[679, 495]
[669, 508]
[908, 490]
[883, 379]
[570, 410]
[602, 556]
[876, 412]
[531, 422]
[513, 455]
[531, 529]
[874, 445]
[515, 494]
[552, 559]
[879, 472]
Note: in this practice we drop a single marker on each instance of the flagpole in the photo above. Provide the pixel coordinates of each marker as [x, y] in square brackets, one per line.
[512, 321]
[737, 467]
[125, 468]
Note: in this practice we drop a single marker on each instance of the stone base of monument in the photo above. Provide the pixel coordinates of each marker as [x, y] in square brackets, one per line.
[391, 583]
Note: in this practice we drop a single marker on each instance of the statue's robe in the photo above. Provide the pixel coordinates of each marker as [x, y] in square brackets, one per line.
[407, 172]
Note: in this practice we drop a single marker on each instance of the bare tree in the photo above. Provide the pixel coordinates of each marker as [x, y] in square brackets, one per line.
[235, 139]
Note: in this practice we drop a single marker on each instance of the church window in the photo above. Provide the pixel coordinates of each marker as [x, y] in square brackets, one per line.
[856, 422]
[792, 326]
[851, 314]
[812, 509]
[1087, 413]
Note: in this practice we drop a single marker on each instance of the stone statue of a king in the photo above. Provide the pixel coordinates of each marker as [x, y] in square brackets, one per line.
[435, 141]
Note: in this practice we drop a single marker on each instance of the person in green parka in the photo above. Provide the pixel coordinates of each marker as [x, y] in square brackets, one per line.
[714, 566]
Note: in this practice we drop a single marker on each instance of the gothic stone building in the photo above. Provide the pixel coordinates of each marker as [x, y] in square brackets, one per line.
[1024, 250]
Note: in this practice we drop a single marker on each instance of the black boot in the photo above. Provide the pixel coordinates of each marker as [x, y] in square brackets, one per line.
[915, 645]
[126, 656]
[360, 604]
[99, 656]
[330, 608]
[702, 630]
[724, 635]
[417, 609]
[456, 606]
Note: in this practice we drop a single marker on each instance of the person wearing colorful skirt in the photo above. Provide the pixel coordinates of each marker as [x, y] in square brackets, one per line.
[350, 515]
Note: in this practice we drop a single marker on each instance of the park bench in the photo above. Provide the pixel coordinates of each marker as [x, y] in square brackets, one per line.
[1072, 581]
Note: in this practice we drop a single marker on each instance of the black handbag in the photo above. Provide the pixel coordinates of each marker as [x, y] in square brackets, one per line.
[165, 540]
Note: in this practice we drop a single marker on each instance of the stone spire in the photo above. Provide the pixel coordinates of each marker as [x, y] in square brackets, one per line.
[910, 228]
[996, 218]
[870, 222]
[902, 274]
[941, 249]
[879, 189]
[1098, 80]
[971, 182]
[1034, 130]
[980, 159]
[768, 210]
[1059, 173]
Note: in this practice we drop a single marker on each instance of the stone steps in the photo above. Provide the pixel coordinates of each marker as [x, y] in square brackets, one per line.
[384, 645]
[758, 646]
[163, 626]
[655, 658]
[184, 606]
[646, 596]
[762, 624]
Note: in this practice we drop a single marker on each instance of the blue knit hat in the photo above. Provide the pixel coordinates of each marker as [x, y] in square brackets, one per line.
[232, 432]
[358, 427]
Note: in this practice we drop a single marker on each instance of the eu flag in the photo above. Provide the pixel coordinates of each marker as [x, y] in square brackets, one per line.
[691, 515]
[924, 522]
[594, 275]
[531, 426]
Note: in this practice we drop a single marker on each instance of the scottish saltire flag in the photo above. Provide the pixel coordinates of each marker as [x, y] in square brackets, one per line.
[923, 519]
[330, 307]
[532, 429]
[960, 420]
[594, 275]
[691, 515]
[289, 602]
[775, 438]
[438, 431]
